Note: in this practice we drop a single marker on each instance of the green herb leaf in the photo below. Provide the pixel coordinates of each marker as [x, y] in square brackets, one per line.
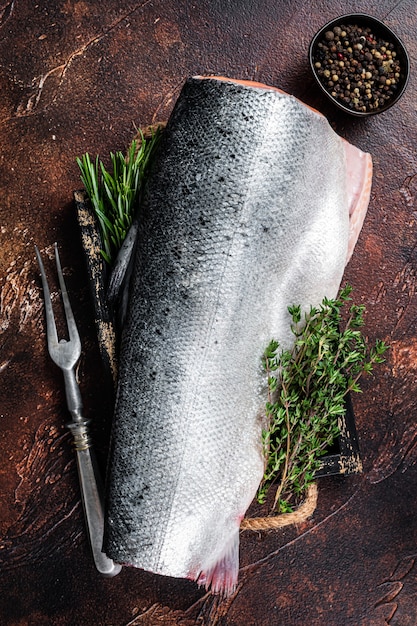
[307, 398]
[114, 194]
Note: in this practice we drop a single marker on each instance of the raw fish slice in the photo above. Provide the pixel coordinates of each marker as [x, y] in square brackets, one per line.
[246, 212]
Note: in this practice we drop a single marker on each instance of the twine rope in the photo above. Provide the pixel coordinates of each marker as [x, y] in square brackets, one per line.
[296, 517]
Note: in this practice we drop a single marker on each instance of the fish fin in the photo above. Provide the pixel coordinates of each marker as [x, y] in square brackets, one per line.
[359, 182]
[222, 576]
[118, 289]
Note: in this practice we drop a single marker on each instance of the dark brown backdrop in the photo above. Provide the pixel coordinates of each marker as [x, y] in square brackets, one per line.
[80, 76]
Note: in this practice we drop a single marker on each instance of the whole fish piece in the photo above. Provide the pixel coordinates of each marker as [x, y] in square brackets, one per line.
[246, 211]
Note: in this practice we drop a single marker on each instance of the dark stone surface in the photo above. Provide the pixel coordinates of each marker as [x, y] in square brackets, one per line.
[79, 76]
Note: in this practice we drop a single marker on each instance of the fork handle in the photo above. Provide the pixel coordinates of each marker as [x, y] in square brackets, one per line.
[92, 496]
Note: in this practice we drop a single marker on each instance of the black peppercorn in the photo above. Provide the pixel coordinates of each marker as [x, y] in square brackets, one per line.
[354, 65]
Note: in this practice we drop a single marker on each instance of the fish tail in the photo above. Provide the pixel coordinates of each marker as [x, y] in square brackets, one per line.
[221, 577]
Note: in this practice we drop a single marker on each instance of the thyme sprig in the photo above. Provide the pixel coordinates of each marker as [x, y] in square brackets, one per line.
[307, 388]
[114, 194]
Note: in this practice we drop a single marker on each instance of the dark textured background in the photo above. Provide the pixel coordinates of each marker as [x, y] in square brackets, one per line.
[80, 76]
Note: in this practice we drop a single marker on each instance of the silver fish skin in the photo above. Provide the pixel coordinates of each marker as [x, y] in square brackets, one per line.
[246, 212]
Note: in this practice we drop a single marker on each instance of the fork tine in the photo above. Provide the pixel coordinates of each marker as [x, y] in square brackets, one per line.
[51, 333]
[71, 324]
[65, 354]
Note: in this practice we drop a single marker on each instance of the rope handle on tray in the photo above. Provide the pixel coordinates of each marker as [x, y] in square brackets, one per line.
[296, 517]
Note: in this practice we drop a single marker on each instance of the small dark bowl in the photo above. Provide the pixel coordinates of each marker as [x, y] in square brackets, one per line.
[379, 29]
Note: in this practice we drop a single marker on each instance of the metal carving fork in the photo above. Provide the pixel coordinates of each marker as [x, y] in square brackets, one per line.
[65, 353]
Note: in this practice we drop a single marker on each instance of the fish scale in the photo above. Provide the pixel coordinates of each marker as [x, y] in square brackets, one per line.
[245, 212]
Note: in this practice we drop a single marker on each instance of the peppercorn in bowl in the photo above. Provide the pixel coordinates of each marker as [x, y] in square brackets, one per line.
[360, 64]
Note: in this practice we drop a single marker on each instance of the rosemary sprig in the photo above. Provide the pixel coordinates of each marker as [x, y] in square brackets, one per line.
[114, 194]
[307, 387]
